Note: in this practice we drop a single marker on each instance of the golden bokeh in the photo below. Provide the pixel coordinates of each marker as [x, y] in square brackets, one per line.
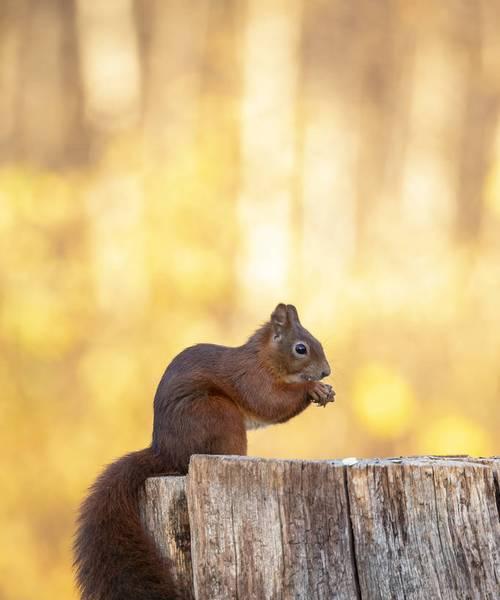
[383, 401]
[170, 171]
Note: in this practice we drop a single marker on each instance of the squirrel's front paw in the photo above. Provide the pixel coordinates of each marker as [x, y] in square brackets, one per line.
[321, 394]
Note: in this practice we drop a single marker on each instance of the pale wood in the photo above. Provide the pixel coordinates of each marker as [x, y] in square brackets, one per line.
[426, 528]
[263, 529]
[165, 516]
[409, 528]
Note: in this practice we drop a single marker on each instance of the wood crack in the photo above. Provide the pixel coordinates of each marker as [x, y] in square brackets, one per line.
[438, 527]
[235, 546]
[283, 547]
[236, 578]
[350, 533]
[497, 492]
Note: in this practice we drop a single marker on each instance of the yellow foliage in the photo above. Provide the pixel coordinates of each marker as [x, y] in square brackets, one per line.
[78, 375]
[96, 300]
[453, 434]
[383, 401]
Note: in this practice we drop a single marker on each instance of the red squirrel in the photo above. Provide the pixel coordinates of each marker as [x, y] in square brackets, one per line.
[206, 400]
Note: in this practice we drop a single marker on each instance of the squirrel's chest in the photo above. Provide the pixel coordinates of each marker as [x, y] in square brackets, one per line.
[252, 423]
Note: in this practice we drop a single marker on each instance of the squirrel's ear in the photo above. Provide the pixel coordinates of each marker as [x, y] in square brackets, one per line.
[279, 319]
[293, 315]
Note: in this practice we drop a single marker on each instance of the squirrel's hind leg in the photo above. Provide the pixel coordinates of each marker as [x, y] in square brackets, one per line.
[204, 425]
[224, 429]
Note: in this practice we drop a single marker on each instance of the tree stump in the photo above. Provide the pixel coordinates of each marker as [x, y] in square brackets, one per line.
[165, 516]
[410, 528]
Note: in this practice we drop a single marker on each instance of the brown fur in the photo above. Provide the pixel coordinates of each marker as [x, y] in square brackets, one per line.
[202, 403]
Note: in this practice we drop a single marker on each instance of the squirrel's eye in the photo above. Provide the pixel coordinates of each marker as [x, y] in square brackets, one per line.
[300, 349]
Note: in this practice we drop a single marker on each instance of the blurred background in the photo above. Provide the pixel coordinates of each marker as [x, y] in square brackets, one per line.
[171, 169]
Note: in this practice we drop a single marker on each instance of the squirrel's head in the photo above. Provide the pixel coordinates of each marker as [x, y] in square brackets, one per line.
[297, 354]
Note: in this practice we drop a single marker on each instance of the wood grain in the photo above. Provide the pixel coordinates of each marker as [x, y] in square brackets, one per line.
[265, 529]
[418, 528]
[165, 516]
[425, 529]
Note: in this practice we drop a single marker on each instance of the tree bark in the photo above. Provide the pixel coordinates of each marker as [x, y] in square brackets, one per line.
[269, 529]
[165, 517]
[426, 528]
[412, 528]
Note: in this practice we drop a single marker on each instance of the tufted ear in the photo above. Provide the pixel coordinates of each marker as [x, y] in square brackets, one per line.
[279, 320]
[293, 315]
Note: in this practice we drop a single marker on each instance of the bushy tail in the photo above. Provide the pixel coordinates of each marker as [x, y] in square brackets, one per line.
[114, 557]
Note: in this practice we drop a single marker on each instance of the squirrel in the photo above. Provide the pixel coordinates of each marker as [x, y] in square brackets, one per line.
[207, 398]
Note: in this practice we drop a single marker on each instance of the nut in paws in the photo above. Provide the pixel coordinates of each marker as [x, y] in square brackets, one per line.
[321, 394]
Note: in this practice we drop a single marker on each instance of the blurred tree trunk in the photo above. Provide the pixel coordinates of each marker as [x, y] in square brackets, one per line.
[271, 50]
[11, 12]
[218, 134]
[387, 116]
[430, 168]
[328, 138]
[110, 67]
[482, 103]
[49, 125]
[172, 36]
[378, 99]
[356, 90]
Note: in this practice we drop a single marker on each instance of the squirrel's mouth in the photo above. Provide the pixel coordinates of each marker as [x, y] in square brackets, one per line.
[299, 377]
[310, 378]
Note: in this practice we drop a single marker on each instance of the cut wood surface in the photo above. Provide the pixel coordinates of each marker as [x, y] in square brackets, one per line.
[408, 528]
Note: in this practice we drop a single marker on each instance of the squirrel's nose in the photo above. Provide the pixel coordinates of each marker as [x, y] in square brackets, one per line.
[326, 371]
